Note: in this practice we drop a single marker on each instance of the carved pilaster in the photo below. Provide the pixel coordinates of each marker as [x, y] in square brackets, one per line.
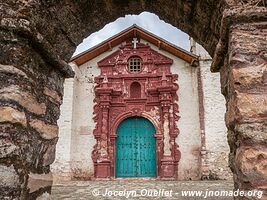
[100, 153]
[166, 133]
[104, 134]
[171, 154]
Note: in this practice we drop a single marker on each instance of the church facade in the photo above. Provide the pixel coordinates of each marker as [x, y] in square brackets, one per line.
[139, 106]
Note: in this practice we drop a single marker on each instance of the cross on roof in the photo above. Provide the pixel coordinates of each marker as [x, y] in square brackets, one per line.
[135, 41]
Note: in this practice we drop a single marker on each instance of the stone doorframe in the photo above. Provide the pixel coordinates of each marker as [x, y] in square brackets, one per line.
[162, 172]
[114, 135]
[167, 167]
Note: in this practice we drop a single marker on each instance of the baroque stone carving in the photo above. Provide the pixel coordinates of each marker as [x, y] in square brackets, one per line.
[156, 101]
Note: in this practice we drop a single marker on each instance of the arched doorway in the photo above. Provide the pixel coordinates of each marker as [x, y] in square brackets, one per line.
[136, 148]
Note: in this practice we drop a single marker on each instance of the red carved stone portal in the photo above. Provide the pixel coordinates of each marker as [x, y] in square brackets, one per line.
[149, 91]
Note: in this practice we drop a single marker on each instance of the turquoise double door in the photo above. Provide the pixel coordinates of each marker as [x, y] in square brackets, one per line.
[136, 148]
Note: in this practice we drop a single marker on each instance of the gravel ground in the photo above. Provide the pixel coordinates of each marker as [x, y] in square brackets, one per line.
[138, 189]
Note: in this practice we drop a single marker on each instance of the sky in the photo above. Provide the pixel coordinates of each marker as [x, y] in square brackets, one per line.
[146, 20]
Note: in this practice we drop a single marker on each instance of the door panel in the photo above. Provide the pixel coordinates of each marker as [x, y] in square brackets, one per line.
[136, 148]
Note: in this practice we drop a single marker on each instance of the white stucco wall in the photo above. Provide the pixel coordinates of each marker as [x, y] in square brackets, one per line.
[215, 128]
[61, 166]
[76, 122]
[83, 126]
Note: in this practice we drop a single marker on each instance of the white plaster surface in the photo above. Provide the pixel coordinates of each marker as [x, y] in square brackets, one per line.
[215, 128]
[61, 166]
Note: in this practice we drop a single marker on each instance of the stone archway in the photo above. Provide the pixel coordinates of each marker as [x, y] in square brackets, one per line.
[38, 38]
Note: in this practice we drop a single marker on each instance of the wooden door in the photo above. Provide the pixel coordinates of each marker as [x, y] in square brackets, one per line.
[136, 148]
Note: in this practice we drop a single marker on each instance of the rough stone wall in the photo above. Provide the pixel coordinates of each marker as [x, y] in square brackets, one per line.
[189, 138]
[82, 139]
[244, 80]
[31, 92]
[215, 128]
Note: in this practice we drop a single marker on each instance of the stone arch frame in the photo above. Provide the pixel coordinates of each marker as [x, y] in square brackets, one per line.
[219, 27]
[126, 115]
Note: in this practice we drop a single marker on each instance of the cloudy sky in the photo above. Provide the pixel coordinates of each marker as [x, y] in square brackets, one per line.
[146, 20]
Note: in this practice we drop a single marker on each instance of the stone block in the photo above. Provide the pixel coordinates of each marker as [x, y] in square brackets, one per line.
[13, 70]
[53, 94]
[255, 132]
[25, 99]
[11, 115]
[249, 75]
[50, 154]
[46, 131]
[6, 148]
[251, 107]
[8, 177]
[252, 163]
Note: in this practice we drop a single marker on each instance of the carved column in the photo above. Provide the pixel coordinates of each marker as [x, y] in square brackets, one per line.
[167, 162]
[168, 167]
[174, 131]
[102, 166]
[102, 162]
[104, 133]
[166, 130]
[244, 84]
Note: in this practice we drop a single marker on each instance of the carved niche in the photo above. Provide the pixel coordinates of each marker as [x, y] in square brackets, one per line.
[146, 88]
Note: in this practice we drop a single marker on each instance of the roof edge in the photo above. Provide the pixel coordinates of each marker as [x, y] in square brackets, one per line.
[106, 44]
